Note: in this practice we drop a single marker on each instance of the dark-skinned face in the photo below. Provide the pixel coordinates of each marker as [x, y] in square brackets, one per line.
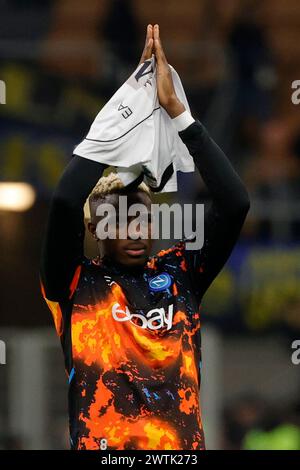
[128, 252]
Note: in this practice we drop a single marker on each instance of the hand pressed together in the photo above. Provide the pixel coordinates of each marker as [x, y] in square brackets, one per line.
[165, 86]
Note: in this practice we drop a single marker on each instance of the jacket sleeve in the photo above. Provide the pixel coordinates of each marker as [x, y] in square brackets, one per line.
[226, 215]
[62, 250]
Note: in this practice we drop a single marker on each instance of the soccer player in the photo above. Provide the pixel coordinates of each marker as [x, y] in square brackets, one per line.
[129, 323]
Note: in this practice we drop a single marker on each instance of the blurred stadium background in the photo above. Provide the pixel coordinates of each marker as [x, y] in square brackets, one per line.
[60, 61]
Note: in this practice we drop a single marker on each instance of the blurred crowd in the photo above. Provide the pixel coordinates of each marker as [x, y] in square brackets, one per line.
[236, 72]
[251, 423]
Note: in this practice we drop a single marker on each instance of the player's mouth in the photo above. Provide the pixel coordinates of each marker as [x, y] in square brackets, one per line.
[135, 250]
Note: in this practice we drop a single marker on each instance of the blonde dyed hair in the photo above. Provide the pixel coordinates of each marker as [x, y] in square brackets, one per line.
[111, 184]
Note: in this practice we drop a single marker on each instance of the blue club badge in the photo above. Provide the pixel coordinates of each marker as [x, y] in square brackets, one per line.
[160, 282]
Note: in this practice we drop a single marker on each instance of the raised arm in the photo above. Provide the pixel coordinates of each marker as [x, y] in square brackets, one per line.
[227, 213]
[62, 250]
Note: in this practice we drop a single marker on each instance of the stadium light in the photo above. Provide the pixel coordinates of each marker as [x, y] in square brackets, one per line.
[17, 197]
